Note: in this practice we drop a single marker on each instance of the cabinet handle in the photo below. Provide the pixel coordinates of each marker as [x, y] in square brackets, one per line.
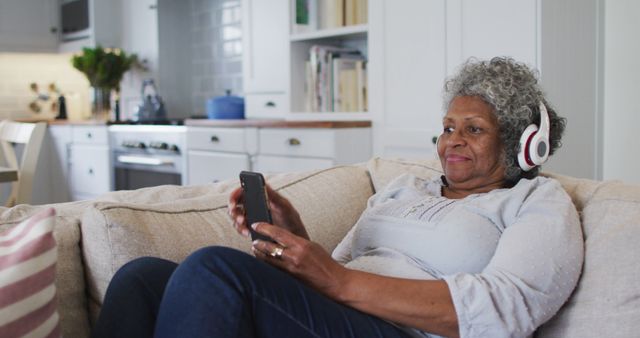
[90, 171]
[294, 141]
[215, 139]
[434, 140]
[270, 104]
[89, 135]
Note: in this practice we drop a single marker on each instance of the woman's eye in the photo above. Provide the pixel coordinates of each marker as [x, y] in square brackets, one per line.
[448, 130]
[475, 130]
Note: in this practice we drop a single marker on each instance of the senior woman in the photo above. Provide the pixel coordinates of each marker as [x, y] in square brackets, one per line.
[487, 250]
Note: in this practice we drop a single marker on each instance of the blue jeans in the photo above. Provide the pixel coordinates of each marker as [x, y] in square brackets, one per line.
[222, 292]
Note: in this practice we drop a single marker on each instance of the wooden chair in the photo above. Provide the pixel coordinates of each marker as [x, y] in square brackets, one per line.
[31, 135]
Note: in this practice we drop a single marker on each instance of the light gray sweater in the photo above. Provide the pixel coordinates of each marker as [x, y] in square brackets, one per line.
[511, 257]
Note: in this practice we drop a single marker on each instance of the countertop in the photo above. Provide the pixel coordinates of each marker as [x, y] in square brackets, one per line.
[256, 123]
[275, 123]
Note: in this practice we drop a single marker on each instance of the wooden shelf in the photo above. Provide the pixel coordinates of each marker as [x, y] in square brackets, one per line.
[338, 32]
[302, 116]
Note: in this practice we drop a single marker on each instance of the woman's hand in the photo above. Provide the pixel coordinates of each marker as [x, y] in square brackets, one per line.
[283, 214]
[306, 260]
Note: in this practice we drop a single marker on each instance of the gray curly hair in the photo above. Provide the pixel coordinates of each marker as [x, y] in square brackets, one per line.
[512, 89]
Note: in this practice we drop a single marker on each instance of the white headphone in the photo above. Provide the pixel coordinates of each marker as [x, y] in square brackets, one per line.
[534, 142]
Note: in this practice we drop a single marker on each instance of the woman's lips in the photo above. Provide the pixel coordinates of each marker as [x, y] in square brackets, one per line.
[456, 158]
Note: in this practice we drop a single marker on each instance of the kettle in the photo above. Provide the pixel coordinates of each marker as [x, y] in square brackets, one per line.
[152, 107]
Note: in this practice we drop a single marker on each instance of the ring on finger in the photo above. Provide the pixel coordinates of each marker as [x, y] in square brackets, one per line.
[277, 252]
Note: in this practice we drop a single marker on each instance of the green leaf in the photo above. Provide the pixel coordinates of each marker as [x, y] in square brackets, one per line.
[104, 68]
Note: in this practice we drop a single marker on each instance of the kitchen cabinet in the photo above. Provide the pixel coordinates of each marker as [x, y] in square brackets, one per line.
[216, 154]
[28, 25]
[266, 57]
[418, 44]
[90, 168]
[301, 149]
[105, 21]
[58, 168]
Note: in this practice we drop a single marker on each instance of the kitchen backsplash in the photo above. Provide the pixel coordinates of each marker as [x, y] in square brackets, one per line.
[19, 70]
[216, 50]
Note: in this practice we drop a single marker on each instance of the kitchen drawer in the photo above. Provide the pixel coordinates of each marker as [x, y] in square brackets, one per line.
[208, 167]
[297, 142]
[266, 105]
[90, 134]
[221, 139]
[90, 169]
[279, 164]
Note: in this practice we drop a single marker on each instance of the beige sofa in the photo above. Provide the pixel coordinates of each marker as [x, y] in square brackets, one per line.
[96, 237]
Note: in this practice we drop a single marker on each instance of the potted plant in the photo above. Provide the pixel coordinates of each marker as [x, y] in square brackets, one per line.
[104, 68]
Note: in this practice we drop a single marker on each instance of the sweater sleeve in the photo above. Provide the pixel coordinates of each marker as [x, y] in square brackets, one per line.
[534, 269]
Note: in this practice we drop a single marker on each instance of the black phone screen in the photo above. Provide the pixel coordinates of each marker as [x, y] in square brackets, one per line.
[255, 201]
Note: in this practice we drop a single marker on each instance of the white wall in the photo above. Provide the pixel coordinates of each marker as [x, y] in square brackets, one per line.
[569, 75]
[621, 115]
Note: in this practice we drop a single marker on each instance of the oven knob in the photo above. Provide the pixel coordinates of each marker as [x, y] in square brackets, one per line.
[174, 148]
[139, 145]
[163, 146]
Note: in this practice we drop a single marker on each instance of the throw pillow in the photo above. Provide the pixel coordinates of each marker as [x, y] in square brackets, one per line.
[27, 274]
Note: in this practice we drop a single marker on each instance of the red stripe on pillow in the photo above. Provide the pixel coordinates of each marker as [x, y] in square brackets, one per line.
[31, 249]
[24, 288]
[16, 233]
[30, 273]
[30, 322]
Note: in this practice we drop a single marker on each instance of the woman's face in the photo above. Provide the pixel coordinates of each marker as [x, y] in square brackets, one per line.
[470, 148]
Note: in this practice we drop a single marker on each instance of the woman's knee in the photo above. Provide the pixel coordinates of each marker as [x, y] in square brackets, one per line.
[143, 268]
[220, 261]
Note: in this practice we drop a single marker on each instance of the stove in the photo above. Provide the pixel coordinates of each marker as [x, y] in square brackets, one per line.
[161, 122]
[145, 155]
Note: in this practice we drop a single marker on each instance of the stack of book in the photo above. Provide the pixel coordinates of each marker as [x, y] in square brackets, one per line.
[312, 15]
[336, 80]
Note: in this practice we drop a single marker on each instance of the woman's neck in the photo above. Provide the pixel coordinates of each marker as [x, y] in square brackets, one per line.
[454, 191]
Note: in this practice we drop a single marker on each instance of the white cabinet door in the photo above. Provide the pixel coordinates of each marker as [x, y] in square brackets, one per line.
[28, 26]
[266, 45]
[58, 168]
[410, 39]
[90, 170]
[489, 28]
[208, 167]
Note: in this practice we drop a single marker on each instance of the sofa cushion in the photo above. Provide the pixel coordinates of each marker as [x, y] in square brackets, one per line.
[384, 170]
[27, 274]
[113, 233]
[70, 285]
[606, 302]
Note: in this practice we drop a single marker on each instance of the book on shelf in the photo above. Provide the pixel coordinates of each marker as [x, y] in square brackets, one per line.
[306, 16]
[338, 13]
[335, 80]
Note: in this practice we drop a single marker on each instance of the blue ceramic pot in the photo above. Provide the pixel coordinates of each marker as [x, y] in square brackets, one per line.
[225, 107]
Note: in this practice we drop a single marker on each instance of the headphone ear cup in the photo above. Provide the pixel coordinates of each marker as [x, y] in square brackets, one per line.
[524, 159]
[539, 148]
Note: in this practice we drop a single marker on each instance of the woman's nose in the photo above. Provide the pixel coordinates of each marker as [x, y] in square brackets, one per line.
[456, 138]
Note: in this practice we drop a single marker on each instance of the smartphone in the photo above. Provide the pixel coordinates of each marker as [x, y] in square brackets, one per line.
[255, 201]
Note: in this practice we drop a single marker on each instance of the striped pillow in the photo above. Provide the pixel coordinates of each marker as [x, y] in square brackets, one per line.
[27, 274]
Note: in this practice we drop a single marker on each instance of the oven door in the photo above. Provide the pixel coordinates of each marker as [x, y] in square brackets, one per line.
[134, 171]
